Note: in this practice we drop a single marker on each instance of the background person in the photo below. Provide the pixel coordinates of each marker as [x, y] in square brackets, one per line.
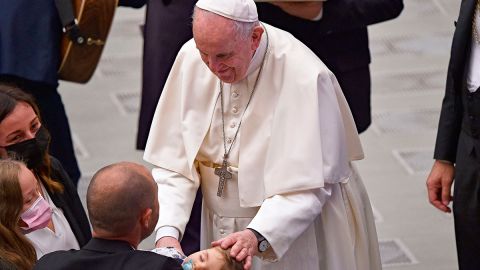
[121, 218]
[457, 148]
[30, 57]
[336, 31]
[23, 136]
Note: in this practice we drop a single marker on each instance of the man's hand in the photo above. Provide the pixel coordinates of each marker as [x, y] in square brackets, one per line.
[244, 246]
[439, 184]
[307, 10]
[169, 241]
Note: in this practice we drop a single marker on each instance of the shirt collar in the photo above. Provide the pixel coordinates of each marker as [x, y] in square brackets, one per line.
[107, 246]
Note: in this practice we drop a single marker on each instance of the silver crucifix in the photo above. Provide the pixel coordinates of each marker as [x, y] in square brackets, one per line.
[223, 175]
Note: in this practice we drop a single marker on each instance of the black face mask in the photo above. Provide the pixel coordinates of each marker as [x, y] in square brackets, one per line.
[31, 151]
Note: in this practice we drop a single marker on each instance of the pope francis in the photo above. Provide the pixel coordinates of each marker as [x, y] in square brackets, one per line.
[252, 117]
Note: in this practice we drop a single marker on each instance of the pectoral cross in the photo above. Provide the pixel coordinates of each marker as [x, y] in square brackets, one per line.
[223, 175]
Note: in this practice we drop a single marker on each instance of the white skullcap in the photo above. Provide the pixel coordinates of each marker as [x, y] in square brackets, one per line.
[237, 10]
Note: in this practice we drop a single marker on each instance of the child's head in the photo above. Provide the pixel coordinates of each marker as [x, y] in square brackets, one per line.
[213, 259]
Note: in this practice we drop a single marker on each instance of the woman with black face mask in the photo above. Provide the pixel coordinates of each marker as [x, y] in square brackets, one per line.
[23, 137]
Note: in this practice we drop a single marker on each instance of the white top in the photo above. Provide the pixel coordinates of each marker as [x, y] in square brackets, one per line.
[473, 77]
[45, 240]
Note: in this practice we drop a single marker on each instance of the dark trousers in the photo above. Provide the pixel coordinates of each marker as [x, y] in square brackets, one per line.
[466, 203]
[54, 118]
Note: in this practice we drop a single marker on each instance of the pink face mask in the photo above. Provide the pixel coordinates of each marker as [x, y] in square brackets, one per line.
[37, 216]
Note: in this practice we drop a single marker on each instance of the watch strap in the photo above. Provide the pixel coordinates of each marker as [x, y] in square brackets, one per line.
[261, 240]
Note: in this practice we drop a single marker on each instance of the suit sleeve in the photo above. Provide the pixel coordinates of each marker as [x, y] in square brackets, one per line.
[347, 14]
[132, 3]
[452, 108]
[338, 15]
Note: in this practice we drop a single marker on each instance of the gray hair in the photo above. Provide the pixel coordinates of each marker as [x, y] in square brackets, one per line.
[242, 30]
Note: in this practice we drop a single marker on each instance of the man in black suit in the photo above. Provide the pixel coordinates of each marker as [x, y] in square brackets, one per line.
[457, 149]
[122, 204]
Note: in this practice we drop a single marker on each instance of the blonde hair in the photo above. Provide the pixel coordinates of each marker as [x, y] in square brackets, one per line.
[15, 248]
[230, 262]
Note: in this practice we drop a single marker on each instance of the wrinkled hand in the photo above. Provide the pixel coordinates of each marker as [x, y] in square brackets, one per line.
[244, 246]
[168, 241]
[307, 10]
[439, 184]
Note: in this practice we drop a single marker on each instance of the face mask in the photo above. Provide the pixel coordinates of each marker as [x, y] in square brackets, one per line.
[31, 151]
[37, 216]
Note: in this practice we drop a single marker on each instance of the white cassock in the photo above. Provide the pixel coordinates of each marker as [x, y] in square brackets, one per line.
[293, 181]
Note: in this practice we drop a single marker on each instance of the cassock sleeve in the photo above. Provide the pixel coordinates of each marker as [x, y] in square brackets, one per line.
[176, 194]
[283, 218]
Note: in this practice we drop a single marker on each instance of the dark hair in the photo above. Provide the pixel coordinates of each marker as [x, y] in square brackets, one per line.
[10, 96]
[15, 248]
[230, 262]
[117, 196]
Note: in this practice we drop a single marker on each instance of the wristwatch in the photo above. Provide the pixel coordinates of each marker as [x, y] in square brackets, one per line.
[263, 243]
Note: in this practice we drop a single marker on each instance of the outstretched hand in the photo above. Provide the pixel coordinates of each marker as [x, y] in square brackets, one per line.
[307, 10]
[243, 246]
[439, 184]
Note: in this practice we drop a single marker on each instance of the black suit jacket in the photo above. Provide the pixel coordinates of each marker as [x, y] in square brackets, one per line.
[450, 123]
[104, 254]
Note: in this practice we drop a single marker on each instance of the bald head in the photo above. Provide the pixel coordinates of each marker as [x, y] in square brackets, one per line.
[118, 195]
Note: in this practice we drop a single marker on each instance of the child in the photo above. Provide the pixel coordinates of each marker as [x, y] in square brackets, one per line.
[212, 259]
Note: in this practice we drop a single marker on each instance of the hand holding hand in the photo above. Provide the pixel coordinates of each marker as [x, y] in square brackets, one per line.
[168, 241]
[439, 184]
[307, 10]
[244, 246]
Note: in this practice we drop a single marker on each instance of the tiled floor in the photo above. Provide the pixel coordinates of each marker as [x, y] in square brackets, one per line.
[409, 61]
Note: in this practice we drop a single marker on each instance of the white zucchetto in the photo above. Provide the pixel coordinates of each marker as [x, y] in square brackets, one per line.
[237, 10]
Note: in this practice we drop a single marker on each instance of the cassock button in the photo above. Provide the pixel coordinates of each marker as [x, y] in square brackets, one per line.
[222, 231]
[233, 125]
[229, 140]
[235, 94]
[234, 109]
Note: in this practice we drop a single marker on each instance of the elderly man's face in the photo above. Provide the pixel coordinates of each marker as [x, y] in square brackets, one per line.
[225, 54]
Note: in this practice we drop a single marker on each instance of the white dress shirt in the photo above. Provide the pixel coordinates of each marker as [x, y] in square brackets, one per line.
[45, 240]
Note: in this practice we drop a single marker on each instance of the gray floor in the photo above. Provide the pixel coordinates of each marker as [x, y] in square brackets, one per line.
[410, 57]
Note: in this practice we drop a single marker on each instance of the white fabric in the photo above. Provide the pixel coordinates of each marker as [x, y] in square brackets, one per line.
[237, 10]
[45, 240]
[167, 231]
[343, 236]
[292, 153]
[298, 114]
[473, 77]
